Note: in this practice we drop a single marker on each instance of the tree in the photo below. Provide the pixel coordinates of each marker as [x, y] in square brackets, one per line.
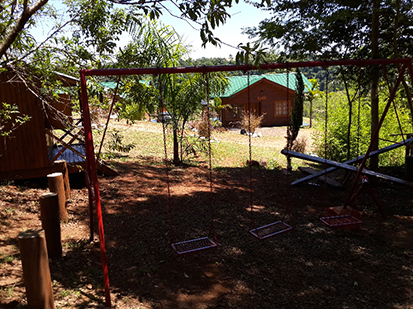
[217, 107]
[296, 116]
[313, 92]
[183, 95]
[100, 22]
[14, 17]
[341, 29]
[157, 45]
[153, 45]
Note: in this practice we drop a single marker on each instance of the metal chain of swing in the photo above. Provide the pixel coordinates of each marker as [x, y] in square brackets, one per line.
[168, 185]
[358, 117]
[358, 124]
[212, 227]
[288, 201]
[250, 153]
[325, 142]
[211, 189]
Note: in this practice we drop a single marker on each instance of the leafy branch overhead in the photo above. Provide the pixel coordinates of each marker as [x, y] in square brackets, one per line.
[251, 54]
[207, 14]
[96, 26]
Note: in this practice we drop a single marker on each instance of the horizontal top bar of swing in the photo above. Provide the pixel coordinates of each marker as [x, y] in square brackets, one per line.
[229, 68]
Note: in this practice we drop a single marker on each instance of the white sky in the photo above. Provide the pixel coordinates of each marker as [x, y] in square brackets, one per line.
[242, 15]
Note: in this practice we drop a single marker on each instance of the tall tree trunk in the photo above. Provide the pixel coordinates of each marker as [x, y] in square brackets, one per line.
[374, 161]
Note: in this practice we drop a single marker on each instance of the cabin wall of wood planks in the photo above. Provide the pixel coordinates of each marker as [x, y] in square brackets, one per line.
[265, 106]
[26, 148]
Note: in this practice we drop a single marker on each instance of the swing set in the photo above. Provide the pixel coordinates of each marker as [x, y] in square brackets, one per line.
[260, 232]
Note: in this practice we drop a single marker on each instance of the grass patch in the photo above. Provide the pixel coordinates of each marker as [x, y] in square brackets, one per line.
[6, 258]
[231, 150]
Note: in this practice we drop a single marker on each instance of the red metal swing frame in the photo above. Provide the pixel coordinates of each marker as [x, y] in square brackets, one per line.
[93, 187]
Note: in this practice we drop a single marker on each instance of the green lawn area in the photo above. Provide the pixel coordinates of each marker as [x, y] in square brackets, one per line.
[229, 148]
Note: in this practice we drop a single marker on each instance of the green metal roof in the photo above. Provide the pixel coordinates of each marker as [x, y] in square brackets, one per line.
[112, 85]
[237, 83]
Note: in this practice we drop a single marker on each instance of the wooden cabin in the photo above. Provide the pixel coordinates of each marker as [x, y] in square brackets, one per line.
[268, 96]
[50, 135]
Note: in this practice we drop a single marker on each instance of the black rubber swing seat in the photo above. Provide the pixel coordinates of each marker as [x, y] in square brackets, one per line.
[269, 230]
[193, 245]
[343, 220]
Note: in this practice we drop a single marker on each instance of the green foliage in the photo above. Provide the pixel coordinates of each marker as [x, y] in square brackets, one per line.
[116, 142]
[10, 118]
[251, 54]
[138, 98]
[297, 111]
[335, 29]
[217, 106]
[153, 45]
[194, 145]
[296, 119]
[183, 95]
[100, 24]
[16, 18]
[337, 143]
[6, 258]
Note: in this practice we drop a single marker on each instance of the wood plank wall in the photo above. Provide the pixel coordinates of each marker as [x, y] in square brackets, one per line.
[26, 149]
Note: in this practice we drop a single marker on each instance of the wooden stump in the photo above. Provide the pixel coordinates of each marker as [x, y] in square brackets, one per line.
[49, 214]
[56, 185]
[36, 271]
[62, 167]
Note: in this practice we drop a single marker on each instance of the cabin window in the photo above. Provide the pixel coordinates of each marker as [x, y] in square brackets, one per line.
[235, 112]
[281, 108]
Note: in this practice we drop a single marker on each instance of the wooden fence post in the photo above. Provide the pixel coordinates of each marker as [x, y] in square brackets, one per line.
[36, 272]
[49, 214]
[56, 185]
[62, 167]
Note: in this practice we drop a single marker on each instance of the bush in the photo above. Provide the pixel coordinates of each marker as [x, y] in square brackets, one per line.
[299, 145]
[116, 142]
[254, 119]
[202, 126]
[359, 137]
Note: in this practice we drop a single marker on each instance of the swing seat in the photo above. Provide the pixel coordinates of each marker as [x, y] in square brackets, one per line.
[269, 230]
[193, 245]
[341, 221]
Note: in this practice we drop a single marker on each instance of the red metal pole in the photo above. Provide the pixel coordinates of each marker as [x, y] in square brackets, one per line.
[91, 166]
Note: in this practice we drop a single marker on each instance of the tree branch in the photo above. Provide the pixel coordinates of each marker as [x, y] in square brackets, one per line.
[27, 13]
[48, 38]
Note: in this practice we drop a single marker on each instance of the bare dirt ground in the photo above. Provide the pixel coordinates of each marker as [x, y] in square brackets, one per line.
[312, 266]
